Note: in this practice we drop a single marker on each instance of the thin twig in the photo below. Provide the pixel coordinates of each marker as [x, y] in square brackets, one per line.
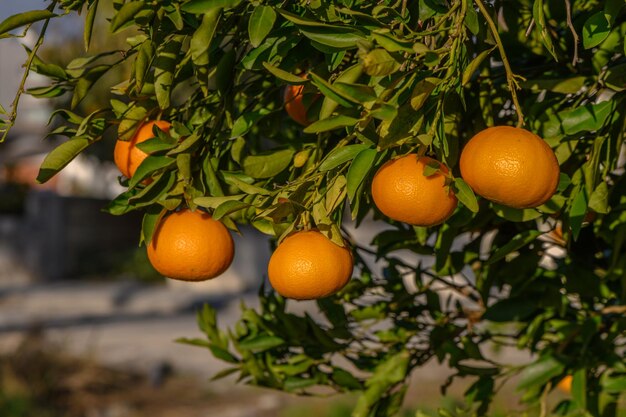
[22, 86]
[614, 310]
[544, 400]
[403, 11]
[570, 25]
[510, 77]
[531, 25]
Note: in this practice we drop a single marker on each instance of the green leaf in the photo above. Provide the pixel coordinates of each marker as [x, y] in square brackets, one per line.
[164, 66]
[333, 93]
[539, 372]
[267, 165]
[540, 21]
[261, 343]
[471, 20]
[465, 195]
[46, 92]
[148, 166]
[153, 191]
[126, 14]
[89, 21]
[599, 200]
[346, 379]
[293, 383]
[587, 118]
[350, 75]
[232, 179]
[229, 207]
[205, 6]
[60, 157]
[579, 389]
[23, 19]
[578, 211]
[519, 241]
[244, 123]
[47, 69]
[202, 37]
[615, 384]
[474, 64]
[379, 63]
[214, 202]
[391, 43]
[359, 168]
[570, 85]
[422, 91]
[333, 36]
[341, 155]
[86, 82]
[595, 30]
[284, 75]
[260, 24]
[361, 93]
[516, 215]
[331, 123]
[149, 223]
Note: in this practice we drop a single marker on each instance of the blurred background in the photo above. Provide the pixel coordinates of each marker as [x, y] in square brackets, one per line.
[87, 327]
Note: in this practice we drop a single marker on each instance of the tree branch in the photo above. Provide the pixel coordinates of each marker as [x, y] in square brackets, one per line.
[510, 77]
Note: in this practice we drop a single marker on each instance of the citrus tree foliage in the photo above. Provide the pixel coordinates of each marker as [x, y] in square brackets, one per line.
[383, 78]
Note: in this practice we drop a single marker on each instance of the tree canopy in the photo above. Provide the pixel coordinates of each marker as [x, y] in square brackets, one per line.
[380, 79]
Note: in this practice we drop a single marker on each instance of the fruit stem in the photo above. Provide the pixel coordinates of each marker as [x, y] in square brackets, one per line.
[510, 77]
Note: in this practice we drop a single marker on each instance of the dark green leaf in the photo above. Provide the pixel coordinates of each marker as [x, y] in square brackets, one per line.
[202, 37]
[261, 343]
[519, 241]
[148, 166]
[149, 223]
[508, 310]
[60, 157]
[126, 14]
[595, 30]
[359, 168]
[539, 372]
[89, 21]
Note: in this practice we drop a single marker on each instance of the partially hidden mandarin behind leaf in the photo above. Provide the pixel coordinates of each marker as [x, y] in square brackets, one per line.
[307, 265]
[510, 166]
[127, 155]
[402, 191]
[294, 104]
[191, 246]
[565, 384]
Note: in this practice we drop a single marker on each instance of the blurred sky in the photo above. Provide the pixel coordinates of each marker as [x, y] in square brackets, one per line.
[12, 55]
[10, 7]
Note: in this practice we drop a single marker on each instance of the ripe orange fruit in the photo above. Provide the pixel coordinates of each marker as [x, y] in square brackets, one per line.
[565, 384]
[510, 166]
[127, 155]
[307, 265]
[191, 246]
[294, 105]
[402, 192]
